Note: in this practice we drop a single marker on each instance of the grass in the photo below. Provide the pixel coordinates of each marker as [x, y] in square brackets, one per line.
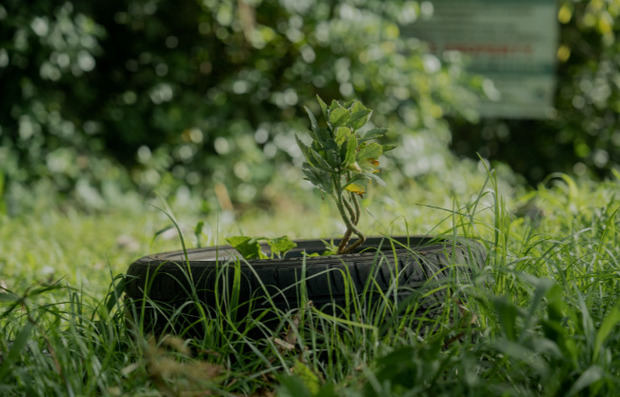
[541, 317]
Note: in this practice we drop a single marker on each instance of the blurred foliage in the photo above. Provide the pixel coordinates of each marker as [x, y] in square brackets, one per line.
[584, 136]
[206, 93]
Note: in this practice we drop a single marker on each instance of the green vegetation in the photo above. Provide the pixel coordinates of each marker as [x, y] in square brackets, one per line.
[105, 104]
[541, 317]
[250, 247]
[340, 161]
[162, 96]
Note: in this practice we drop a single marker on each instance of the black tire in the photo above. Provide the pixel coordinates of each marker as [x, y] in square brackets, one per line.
[164, 278]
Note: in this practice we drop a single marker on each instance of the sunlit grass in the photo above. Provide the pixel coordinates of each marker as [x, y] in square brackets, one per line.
[539, 318]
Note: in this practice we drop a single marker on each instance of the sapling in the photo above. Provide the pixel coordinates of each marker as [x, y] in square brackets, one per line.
[342, 159]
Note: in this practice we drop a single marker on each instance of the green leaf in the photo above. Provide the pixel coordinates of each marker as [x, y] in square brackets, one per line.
[553, 327]
[248, 247]
[323, 137]
[611, 320]
[313, 123]
[320, 179]
[281, 245]
[10, 360]
[160, 232]
[333, 105]
[507, 314]
[331, 158]
[198, 228]
[8, 297]
[310, 176]
[588, 377]
[323, 106]
[198, 232]
[373, 133]
[358, 120]
[370, 151]
[356, 106]
[586, 320]
[319, 160]
[114, 297]
[338, 116]
[387, 148]
[341, 134]
[519, 351]
[357, 178]
[305, 149]
[374, 177]
[359, 115]
[349, 157]
[371, 165]
[348, 103]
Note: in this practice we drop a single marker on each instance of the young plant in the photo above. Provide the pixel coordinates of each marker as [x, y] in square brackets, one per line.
[250, 247]
[341, 160]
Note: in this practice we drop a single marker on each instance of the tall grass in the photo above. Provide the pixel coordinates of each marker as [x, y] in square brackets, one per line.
[539, 317]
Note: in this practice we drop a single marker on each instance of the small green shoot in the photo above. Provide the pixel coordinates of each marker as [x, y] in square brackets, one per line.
[198, 233]
[250, 247]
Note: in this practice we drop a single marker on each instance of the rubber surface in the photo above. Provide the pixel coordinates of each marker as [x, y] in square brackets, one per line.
[396, 264]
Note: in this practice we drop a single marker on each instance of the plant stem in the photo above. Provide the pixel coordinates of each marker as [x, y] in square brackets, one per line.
[350, 216]
[356, 205]
[345, 239]
[351, 228]
[352, 213]
[360, 240]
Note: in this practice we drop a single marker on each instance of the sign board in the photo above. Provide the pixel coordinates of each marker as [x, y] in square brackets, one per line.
[511, 42]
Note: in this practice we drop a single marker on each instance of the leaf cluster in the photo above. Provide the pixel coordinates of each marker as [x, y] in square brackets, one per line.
[341, 156]
[250, 247]
[165, 96]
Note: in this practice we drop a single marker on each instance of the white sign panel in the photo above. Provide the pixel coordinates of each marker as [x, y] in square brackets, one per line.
[512, 42]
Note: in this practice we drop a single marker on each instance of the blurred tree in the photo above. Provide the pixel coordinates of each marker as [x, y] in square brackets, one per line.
[44, 55]
[201, 92]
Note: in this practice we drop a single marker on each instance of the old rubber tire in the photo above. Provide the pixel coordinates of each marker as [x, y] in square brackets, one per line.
[207, 273]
